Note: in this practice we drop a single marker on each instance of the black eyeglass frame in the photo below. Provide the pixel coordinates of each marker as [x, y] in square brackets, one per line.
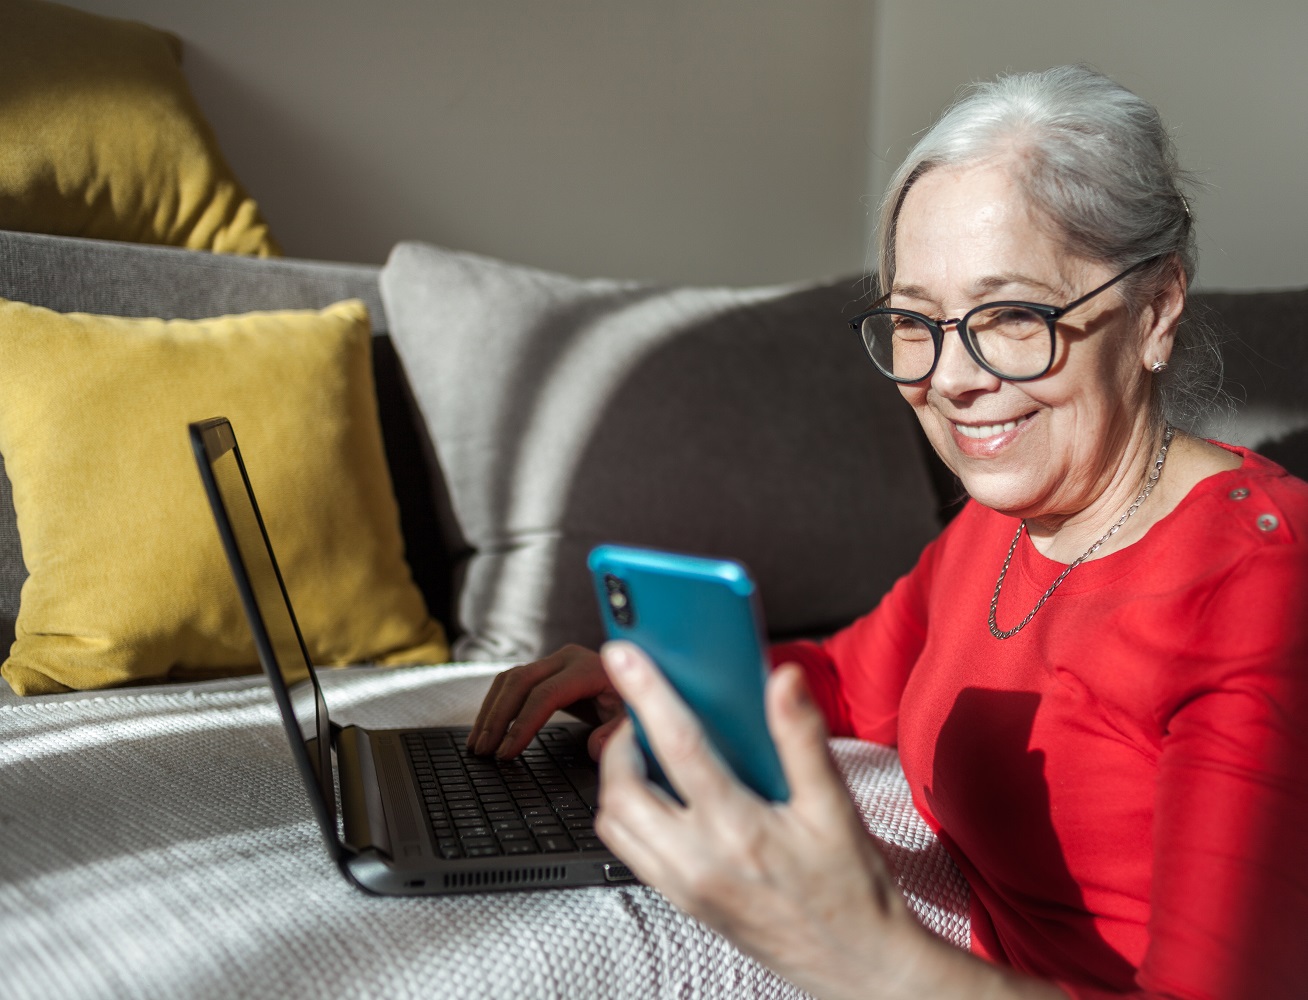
[1050, 314]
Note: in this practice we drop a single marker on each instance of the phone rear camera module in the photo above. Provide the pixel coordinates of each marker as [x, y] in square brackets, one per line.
[619, 601]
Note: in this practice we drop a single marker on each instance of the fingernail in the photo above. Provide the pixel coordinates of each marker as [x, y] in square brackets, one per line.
[799, 693]
[799, 697]
[619, 657]
[502, 750]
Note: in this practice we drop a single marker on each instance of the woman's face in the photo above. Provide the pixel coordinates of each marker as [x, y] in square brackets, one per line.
[1046, 449]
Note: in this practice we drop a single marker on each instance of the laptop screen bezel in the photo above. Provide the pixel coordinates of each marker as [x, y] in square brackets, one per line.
[211, 440]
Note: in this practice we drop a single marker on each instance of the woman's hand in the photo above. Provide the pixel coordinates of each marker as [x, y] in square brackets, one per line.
[799, 885]
[522, 699]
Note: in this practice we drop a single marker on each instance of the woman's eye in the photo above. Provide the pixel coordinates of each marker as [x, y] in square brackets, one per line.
[1011, 321]
[907, 324]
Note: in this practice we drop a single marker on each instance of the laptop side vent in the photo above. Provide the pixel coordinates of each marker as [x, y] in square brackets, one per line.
[393, 768]
[506, 876]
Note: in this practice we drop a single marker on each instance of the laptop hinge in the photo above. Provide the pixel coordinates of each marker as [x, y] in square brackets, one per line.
[362, 814]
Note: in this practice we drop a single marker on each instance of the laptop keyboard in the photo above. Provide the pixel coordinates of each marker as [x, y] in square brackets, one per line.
[480, 807]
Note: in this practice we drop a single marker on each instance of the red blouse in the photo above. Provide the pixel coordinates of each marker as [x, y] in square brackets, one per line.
[1124, 782]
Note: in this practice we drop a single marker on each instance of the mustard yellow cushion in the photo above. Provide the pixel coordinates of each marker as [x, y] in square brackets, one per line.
[100, 137]
[128, 581]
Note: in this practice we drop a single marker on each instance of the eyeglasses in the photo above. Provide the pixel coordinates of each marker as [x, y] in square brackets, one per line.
[1014, 341]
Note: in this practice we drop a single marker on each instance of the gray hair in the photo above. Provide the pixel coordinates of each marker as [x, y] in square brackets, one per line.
[1098, 163]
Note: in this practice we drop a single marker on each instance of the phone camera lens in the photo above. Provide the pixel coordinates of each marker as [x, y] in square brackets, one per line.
[619, 601]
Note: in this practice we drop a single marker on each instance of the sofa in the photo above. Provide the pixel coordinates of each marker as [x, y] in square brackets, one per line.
[158, 842]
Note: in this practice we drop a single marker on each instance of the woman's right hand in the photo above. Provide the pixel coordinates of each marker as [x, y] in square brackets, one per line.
[522, 699]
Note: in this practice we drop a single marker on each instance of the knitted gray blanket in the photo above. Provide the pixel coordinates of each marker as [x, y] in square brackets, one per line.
[157, 843]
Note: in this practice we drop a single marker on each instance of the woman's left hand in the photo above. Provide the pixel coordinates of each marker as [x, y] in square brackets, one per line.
[799, 885]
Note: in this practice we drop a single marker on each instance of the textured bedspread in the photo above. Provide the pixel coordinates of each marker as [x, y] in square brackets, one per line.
[157, 844]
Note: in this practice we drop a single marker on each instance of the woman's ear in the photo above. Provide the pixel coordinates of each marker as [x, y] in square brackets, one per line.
[1161, 317]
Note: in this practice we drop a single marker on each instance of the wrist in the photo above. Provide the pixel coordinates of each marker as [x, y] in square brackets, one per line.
[935, 968]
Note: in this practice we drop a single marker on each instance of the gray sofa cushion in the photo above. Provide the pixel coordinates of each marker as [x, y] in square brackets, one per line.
[124, 279]
[744, 423]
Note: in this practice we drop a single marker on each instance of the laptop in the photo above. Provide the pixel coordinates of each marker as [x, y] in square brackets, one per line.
[418, 814]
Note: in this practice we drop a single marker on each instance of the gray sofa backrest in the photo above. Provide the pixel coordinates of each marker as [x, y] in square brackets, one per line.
[125, 279]
[1266, 367]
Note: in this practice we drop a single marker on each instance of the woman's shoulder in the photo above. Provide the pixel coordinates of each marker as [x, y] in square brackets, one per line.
[1259, 499]
[1260, 467]
[1223, 518]
[1228, 569]
[1238, 527]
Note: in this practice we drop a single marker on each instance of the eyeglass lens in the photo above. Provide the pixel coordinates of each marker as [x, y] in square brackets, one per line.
[1013, 342]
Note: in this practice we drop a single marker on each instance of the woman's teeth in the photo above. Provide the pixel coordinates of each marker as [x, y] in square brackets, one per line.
[988, 430]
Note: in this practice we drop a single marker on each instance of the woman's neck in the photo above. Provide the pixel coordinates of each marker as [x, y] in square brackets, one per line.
[1189, 460]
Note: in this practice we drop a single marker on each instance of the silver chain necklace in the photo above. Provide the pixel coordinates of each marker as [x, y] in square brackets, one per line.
[999, 633]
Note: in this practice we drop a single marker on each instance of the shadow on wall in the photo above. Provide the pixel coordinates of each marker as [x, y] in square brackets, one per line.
[339, 199]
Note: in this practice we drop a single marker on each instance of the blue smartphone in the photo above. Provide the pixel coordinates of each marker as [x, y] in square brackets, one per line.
[698, 620]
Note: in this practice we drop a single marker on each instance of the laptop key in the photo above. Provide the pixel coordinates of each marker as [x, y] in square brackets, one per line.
[480, 830]
[553, 845]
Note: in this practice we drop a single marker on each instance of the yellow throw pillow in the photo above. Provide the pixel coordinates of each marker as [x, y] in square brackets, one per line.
[102, 138]
[127, 579]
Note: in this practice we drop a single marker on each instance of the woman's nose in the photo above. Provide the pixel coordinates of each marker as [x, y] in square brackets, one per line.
[957, 372]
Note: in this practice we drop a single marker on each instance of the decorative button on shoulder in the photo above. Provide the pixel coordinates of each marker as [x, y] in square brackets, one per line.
[1268, 522]
[1239, 493]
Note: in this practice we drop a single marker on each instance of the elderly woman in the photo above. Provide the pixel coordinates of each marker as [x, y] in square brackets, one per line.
[1097, 676]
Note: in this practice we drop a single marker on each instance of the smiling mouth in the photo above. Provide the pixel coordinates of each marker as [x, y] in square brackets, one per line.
[980, 431]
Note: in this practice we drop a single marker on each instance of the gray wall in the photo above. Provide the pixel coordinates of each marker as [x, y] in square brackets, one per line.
[1231, 80]
[718, 141]
[668, 139]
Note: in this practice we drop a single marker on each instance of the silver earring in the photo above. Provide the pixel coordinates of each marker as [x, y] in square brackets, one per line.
[1158, 367]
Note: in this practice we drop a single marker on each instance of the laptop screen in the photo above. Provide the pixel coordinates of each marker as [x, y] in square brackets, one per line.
[276, 633]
